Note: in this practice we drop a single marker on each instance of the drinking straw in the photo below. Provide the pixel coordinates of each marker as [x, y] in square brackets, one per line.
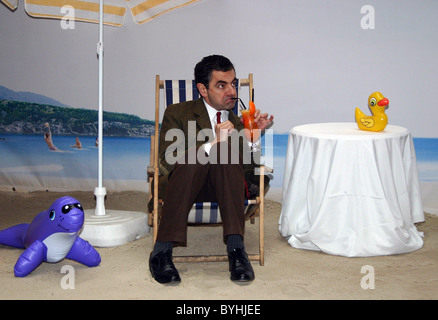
[244, 107]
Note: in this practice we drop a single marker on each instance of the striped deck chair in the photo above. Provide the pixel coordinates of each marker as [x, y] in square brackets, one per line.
[176, 91]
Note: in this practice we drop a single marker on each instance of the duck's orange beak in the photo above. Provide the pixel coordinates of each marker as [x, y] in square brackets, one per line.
[383, 102]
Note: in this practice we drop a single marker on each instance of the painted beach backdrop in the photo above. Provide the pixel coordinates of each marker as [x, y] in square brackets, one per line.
[27, 164]
[312, 61]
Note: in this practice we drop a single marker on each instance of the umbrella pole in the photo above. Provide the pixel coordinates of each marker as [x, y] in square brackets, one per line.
[100, 191]
[111, 227]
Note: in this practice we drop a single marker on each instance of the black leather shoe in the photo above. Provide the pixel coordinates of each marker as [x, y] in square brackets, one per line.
[240, 267]
[162, 268]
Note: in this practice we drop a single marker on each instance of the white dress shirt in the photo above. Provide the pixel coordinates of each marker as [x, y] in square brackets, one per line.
[213, 120]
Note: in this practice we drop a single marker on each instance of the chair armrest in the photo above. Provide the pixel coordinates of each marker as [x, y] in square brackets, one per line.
[266, 169]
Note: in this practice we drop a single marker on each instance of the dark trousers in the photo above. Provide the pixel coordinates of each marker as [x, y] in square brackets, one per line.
[221, 181]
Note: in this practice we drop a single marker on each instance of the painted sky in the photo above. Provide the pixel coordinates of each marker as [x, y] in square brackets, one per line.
[312, 60]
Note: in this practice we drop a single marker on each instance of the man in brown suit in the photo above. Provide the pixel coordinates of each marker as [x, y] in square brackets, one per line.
[201, 161]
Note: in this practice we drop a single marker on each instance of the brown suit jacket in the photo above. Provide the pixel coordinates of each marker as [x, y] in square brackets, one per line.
[193, 126]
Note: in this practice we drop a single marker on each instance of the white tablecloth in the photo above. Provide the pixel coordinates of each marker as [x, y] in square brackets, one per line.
[351, 192]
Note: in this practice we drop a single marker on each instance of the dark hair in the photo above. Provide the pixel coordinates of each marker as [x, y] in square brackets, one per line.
[205, 67]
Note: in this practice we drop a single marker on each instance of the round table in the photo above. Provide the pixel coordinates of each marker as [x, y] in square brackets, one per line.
[350, 192]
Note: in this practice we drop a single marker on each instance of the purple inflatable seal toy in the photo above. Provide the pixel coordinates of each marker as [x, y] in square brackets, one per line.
[51, 237]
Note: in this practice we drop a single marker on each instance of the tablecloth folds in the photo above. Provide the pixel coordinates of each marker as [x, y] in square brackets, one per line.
[351, 193]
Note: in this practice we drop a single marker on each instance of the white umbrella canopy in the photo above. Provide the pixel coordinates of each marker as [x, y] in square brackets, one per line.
[103, 227]
[88, 10]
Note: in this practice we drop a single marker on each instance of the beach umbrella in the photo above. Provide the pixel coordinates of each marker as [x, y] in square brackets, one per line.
[114, 11]
[104, 228]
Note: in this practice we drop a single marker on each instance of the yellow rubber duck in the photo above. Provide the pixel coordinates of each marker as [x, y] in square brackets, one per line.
[379, 120]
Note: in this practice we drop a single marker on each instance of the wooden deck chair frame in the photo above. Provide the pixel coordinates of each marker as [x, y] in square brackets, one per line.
[153, 174]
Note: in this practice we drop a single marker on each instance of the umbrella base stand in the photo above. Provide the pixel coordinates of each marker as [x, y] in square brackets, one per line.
[115, 228]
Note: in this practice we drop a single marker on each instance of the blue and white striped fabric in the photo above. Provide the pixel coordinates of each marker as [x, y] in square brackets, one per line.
[177, 91]
[208, 212]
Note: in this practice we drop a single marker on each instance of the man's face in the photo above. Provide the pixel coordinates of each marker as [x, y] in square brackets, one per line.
[221, 90]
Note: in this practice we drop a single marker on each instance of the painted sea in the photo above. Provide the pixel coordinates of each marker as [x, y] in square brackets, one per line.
[26, 159]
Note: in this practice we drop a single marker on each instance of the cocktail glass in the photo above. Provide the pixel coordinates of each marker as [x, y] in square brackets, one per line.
[252, 131]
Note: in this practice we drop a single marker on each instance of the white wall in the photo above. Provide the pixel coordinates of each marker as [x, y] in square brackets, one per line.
[311, 60]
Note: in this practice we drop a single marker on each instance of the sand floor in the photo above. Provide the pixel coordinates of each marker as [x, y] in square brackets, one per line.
[288, 273]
